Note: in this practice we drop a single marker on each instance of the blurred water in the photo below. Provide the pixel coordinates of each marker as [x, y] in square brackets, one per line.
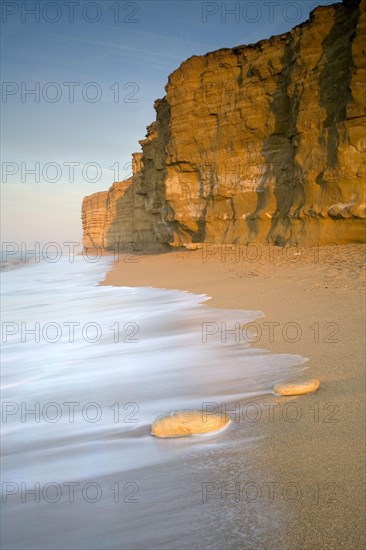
[94, 398]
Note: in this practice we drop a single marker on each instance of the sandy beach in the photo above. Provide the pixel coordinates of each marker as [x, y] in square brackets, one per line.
[313, 448]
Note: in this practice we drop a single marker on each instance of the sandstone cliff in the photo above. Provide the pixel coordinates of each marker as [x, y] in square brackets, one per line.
[93, 219]
[264, 142]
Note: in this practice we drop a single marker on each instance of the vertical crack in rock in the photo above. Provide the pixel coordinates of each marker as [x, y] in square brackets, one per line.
[201, 222]
[335, 92]
[279, 149]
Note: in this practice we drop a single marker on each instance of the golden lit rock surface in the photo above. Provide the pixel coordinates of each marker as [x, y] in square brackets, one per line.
[264, 142]
[93, 217]
[297, 388]
[188, 422]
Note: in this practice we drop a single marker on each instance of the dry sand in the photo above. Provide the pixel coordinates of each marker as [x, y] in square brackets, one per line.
[323, 291]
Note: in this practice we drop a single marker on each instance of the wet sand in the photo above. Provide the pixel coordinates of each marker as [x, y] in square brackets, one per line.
[310, 465]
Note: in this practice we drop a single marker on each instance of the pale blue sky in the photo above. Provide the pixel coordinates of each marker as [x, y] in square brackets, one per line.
[136, 48]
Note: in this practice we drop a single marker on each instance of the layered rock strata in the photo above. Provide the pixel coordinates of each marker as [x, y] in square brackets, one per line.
[264, 142]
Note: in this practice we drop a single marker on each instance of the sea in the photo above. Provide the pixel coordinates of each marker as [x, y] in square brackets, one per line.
[86, 369]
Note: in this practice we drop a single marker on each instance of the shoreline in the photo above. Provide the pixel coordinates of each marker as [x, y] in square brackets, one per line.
[314, 307]
[316, 281]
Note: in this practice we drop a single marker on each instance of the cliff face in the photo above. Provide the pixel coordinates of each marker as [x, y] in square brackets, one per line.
[256, 143]
[93, 216]
[118, 218]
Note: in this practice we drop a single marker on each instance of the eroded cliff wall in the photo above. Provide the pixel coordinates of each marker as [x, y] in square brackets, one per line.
[93, 219]
[263, 142]
[120, 218]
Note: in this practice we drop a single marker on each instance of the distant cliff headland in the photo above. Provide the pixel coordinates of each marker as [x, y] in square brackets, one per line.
[264, 142]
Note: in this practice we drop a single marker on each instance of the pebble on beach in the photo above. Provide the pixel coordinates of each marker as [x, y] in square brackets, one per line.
[297, 388]
[183, 423]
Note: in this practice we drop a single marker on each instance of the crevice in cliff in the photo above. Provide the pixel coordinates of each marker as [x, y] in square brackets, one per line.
[279, 152]
[355, 117]
[201, 222]
[335, 92]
